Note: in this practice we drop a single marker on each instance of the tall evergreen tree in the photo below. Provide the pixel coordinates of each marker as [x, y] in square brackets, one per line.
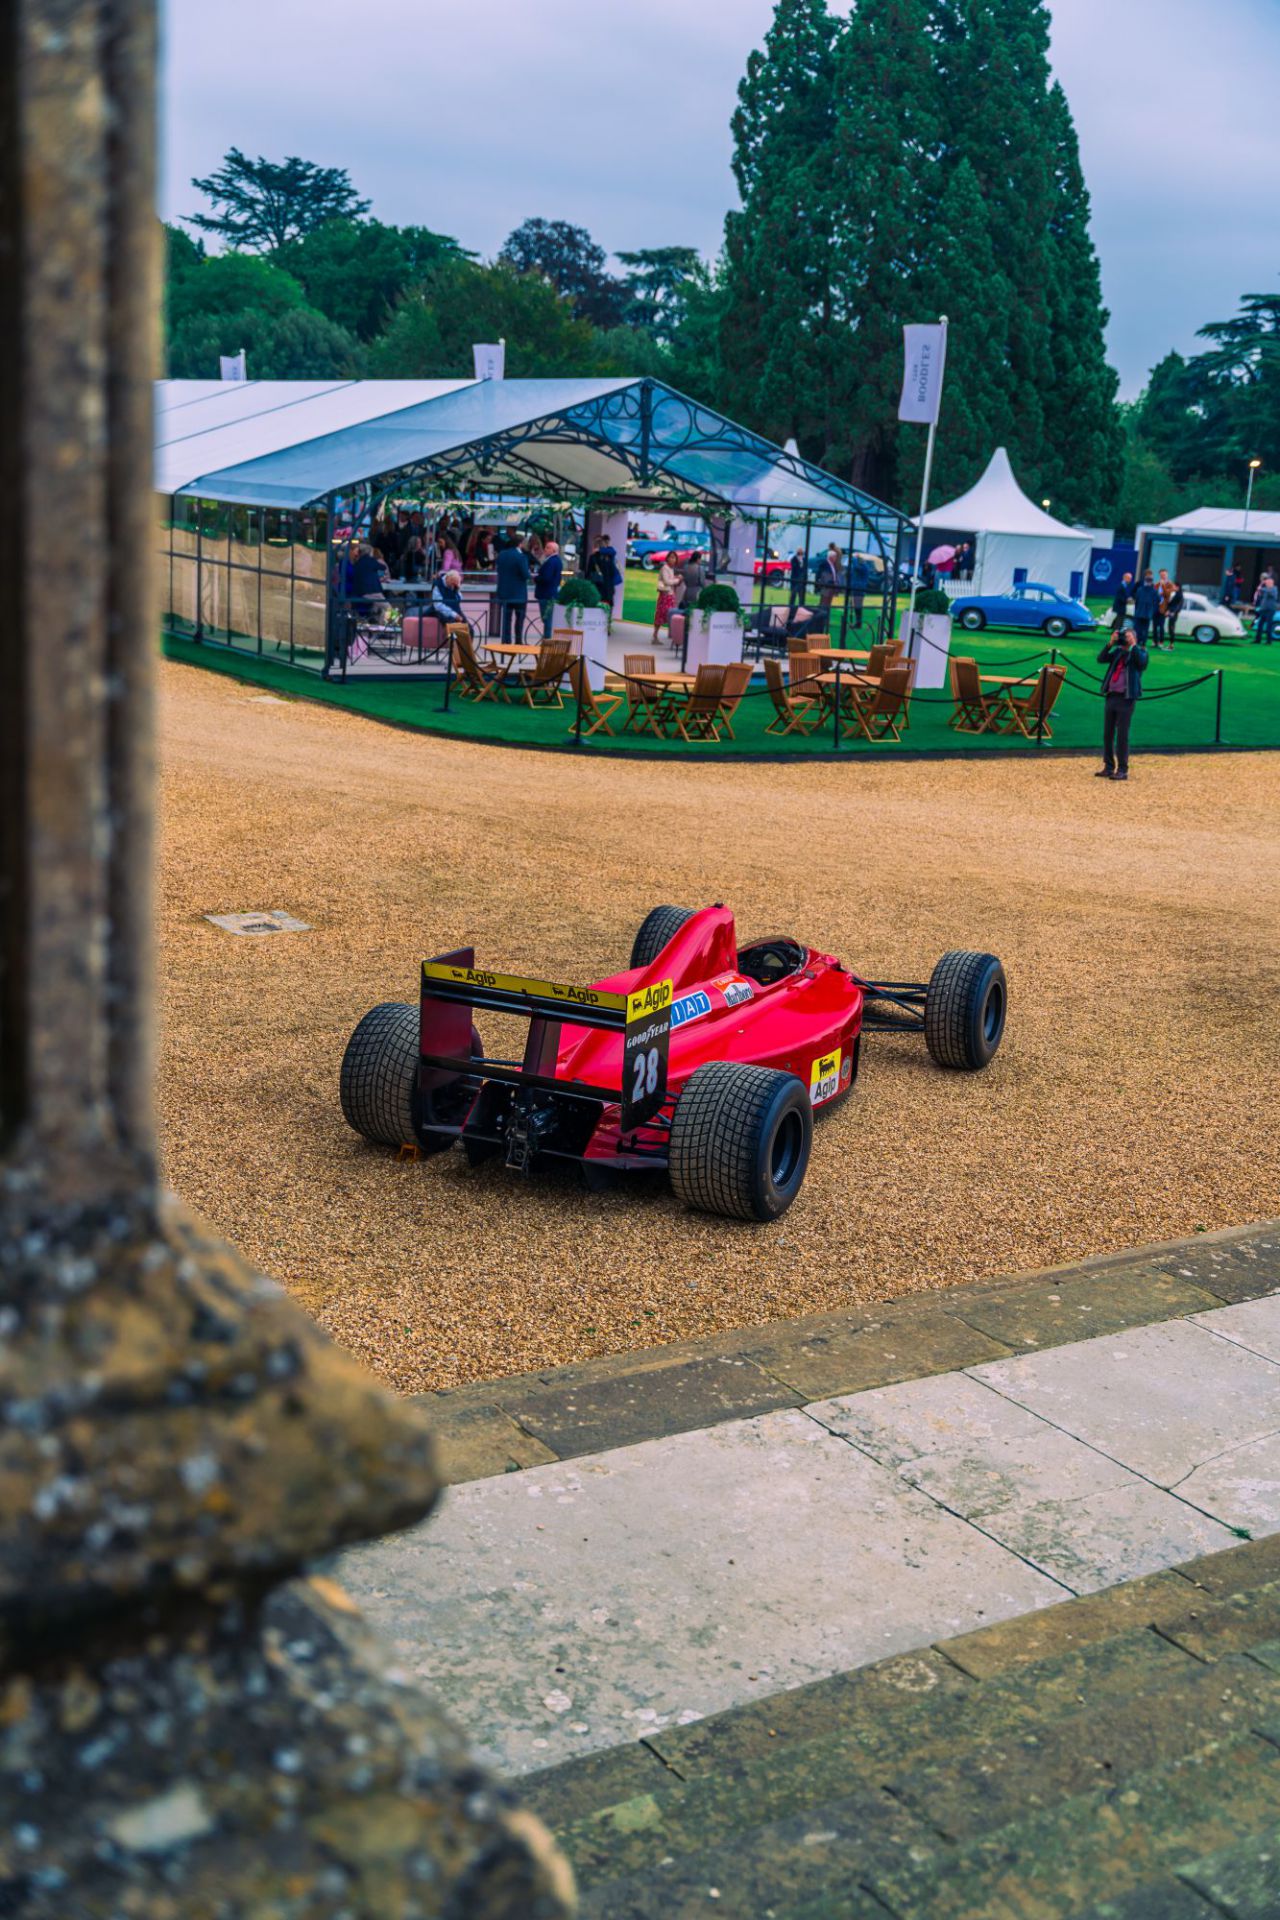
[777, 331]
[887, 180]
[1083, 456]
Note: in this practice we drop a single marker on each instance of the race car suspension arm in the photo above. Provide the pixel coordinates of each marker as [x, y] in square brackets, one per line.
[906, 999]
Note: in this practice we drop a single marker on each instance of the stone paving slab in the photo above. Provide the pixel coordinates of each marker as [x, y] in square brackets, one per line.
[574, 1606]
[1243, 1881]
[1051, 1311]
[618, 1411]
[1161, 1399]
[1074, 1513]
[1255, 1325]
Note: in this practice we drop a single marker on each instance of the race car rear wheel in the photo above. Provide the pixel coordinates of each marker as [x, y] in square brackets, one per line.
[740, 1140]
[655, 930]
[964, 1009]
[378, 1081]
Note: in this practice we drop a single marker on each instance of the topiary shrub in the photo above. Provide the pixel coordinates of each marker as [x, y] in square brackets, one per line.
[718, 598]
[932, 600]
[579, 592]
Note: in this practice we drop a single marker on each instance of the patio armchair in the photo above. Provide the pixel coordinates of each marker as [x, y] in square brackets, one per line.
[541, 682]
[793, 712]
[598, 708]
[473, 678]
[697, 715]
[737, 678]
[646, 699]
[1030, 716]
[976, 711]
[878, 712]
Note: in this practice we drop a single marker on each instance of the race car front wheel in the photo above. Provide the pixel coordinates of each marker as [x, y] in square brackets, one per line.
[964, 1009]
[378, 1081]
[655, 930]
[740, 1140]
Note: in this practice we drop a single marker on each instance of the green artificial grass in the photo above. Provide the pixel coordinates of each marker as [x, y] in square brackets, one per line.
[1250, 703]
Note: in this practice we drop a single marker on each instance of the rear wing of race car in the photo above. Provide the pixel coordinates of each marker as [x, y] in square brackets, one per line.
[452, 986]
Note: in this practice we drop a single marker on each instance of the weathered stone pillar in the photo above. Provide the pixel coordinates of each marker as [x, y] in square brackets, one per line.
[189, 1726]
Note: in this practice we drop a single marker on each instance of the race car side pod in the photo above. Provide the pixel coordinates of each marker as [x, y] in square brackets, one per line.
[906, 997]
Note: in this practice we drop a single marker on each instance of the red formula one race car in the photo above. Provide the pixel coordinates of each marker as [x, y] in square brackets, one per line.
[703, 1057]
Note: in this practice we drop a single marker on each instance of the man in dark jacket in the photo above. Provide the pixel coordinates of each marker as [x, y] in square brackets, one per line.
[795, 584]
[1145, 601]
[512, 566]
[1125, 659]
[546, 587]
[602, 569]
[827, 581]
[1120, 603]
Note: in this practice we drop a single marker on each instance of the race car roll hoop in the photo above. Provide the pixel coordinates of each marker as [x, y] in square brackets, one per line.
[704, 1058]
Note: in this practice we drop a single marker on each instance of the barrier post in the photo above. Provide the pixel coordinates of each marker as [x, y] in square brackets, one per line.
[836, 714]
[1044, 687]
[582, 677]
[1217, 718]
[449, 644]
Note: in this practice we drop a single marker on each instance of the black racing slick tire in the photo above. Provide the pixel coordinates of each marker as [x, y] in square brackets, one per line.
[964, 1010]
[655, 930]
[740, 1140]
[378, 1082]
[379, 1071]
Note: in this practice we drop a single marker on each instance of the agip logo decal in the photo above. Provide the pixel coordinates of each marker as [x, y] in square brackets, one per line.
[824, 1079]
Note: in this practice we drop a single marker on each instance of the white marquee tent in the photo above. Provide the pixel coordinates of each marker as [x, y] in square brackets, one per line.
[1012, 536]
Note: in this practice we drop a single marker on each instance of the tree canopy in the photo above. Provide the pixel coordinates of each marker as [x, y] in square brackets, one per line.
[261, 205]
[573, 262]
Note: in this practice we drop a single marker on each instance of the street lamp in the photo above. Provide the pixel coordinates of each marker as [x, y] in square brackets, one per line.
[1253, 468]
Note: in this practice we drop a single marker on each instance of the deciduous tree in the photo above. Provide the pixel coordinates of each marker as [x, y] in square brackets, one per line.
[261, 205]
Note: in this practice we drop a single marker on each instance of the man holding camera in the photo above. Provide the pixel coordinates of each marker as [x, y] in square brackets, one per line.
[1125, 659]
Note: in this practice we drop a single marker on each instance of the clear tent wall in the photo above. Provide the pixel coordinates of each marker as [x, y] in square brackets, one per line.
[252, 578]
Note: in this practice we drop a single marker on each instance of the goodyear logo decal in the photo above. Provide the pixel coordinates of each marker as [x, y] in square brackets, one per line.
[646, 1001]
[516, 983]
[691, 1006]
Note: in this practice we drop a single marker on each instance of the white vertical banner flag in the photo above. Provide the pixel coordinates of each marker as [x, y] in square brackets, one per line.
[925, 361]
[232, 366]
[490, 361]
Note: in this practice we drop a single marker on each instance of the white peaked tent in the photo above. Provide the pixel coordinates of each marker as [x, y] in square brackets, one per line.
[1011, 534]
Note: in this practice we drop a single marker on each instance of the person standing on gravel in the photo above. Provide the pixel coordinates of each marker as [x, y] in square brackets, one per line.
[1125, 659]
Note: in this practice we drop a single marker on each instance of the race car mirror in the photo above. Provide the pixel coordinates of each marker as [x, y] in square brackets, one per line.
[644, 1053]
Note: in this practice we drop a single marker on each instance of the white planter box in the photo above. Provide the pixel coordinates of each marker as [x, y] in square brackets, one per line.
[929, 646]
[715, 639]
[590, 626]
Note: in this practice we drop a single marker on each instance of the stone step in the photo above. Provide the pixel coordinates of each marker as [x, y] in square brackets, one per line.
[962, 1764]
[975, 1772]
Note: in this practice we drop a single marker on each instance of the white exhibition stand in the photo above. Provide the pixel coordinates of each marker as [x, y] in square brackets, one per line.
[590, 628]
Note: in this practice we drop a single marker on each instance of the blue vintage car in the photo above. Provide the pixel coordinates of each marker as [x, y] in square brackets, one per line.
[1030, 604]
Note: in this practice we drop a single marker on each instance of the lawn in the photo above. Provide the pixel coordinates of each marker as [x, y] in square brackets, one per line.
[1250, 700]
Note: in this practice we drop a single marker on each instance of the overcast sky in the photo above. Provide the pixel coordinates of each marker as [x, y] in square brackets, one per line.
[616, 117]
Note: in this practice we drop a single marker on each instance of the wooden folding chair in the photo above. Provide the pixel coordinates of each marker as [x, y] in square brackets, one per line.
[645, 698]
[473, 679]
[737, 678]
[596, 707]
[877, 711]
[541, 682]
[697, 714]
[1030, 717]
[975, 711]
[793, 712]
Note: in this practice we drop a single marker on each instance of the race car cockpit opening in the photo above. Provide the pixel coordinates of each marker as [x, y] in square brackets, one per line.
[768, 961]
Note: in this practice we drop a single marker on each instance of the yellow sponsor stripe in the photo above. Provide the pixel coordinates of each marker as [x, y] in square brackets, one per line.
[647, 1001]
[480, 977]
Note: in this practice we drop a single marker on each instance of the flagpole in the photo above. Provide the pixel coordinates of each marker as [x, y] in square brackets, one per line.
[924, 495]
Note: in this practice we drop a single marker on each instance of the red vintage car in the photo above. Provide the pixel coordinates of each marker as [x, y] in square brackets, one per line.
[773, 568]
[703, 1057]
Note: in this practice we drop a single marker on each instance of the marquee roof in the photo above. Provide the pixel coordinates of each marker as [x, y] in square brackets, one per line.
[997, 504]
[288, 443]
[1225, 520]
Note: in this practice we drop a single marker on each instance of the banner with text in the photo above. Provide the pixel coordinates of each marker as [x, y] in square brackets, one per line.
[926, 353]
[490, 360]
